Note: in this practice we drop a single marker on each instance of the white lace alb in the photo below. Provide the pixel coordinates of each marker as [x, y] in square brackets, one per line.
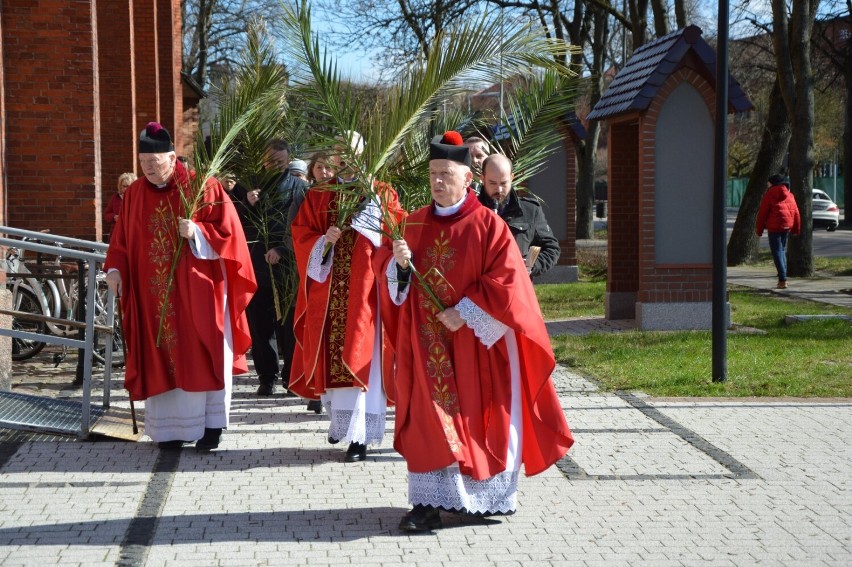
[346, 426]
[487, 329]
[318, 271]
[449, 489]
[398, 297]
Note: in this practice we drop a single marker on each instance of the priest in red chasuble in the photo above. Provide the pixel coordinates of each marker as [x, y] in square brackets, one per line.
[339, 354]
[186, 379]
[474, 398]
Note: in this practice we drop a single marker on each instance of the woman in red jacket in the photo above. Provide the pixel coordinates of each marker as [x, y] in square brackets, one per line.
[779, 215]
[114, 207]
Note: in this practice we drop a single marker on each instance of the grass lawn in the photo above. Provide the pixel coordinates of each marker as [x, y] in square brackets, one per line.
[812, 359]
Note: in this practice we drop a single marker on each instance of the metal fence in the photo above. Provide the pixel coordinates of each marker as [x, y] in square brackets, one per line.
[89, 255]
[831, 185]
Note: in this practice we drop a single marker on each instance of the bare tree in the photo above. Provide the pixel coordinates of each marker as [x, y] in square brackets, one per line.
[399, 31]
[215, 32]
[743, 244]
[791, 39]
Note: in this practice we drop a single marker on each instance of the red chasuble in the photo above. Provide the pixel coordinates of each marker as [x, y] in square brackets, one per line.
[335, 320]
[452, 394]
[142, 246]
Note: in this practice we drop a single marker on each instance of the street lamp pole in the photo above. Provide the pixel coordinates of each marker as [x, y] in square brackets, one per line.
[720, 183]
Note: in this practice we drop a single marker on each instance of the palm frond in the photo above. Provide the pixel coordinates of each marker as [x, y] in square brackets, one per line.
[465, 54]
[258, 95]
[538, 114]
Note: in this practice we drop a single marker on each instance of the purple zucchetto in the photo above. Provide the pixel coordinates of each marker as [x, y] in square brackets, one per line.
[155, 139]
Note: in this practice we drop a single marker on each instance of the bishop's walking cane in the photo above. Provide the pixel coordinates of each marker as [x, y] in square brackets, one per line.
[124, 353]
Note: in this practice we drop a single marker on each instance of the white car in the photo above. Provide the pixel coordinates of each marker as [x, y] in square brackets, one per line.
[825, 212]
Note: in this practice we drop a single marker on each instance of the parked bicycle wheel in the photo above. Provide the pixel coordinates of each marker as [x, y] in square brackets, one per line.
[26, 302]
[101, 338]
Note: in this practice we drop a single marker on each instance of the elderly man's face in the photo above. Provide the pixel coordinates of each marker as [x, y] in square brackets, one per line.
[478, 153]
[276, 160]
[158, 168]
[448, 181]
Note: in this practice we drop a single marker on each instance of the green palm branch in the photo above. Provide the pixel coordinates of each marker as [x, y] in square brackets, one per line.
[239, 109]
[261, 77]
[539, 115]
[397, 128]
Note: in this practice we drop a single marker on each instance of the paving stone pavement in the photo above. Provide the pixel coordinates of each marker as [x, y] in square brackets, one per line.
[648, 482]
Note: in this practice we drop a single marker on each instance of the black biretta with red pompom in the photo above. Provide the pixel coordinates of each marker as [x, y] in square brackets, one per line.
[155, 139]
[449, 146]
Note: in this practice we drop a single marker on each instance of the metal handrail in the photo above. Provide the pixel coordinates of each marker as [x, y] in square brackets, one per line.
[93, 256]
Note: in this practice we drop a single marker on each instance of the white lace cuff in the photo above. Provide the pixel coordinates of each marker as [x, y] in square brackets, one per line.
[488, 329]
[318, 271]
[201, 249]
[398, 297]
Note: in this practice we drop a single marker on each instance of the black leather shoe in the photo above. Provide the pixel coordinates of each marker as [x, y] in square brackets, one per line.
[315, 406]
[175, 445]
[265, 389]
[355, 453]
[421, 519]
[332, 440]
[210, 440]
[289, 394]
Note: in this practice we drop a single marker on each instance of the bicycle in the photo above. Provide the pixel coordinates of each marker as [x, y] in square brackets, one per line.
[46, 294]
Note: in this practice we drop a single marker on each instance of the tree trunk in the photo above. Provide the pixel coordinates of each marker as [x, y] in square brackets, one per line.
[205, 21]
[743, 245]
[586, 150]
[680, 14]
[800, 260]
[661, 17]
[847, 138]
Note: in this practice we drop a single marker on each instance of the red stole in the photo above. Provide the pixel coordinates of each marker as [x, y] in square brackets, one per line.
[142, 245]
[452, 394]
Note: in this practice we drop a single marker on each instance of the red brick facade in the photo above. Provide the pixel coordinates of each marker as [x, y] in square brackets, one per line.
[79, 80]
[568, 246]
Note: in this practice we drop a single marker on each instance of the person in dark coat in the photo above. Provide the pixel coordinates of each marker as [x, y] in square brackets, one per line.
[265, 224]
[479, 150]
[779, 216]
[523, 214]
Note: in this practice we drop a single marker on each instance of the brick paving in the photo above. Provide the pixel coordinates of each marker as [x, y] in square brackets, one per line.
[650, 482]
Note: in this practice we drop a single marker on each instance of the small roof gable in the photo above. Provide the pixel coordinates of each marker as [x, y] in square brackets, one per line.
[636, 85]
[576, 127]
[193, 84]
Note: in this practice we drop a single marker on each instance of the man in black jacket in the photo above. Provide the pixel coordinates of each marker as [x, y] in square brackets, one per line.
[265, 224]
[523, 214]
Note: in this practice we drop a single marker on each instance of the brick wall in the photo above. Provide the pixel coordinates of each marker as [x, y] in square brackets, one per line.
[3, 219]
[75, 89]
[50, 97]
[169, 53]
[622, 200]
[568, 246]
[117, 92]
[666, 283]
